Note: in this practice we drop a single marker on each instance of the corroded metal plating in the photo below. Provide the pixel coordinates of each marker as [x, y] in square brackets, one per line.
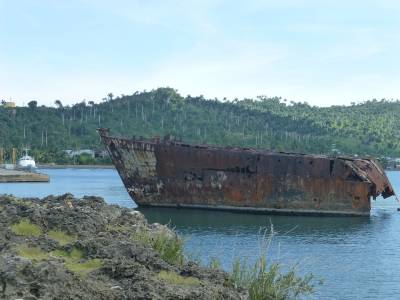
[169, 173]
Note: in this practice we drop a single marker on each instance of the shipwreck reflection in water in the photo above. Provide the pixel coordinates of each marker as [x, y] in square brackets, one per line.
[187, 220]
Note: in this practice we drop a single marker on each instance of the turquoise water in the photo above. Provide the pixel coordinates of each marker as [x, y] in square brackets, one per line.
[357, 257]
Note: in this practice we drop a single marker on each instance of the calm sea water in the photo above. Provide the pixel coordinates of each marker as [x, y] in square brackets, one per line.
[358, 257]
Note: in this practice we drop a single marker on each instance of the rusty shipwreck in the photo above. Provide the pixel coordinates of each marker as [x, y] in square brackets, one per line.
[164, 172]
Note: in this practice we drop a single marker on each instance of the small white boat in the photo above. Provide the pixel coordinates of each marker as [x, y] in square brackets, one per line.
[26, 162]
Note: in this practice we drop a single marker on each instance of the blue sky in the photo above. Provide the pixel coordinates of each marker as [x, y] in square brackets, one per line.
[322, 52]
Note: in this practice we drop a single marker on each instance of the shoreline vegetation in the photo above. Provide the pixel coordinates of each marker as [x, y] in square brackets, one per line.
[67, 248]
[370, 128]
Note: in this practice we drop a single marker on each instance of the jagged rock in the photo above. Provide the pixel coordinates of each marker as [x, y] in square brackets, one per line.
[86, 249]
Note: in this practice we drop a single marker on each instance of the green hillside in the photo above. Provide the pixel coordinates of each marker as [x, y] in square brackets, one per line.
[370, 128]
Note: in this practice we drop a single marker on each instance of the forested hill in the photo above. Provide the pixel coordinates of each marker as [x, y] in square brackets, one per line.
[370, 128]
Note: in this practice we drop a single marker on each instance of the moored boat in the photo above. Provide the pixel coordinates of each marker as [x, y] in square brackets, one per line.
[26, 162]
[165, 172]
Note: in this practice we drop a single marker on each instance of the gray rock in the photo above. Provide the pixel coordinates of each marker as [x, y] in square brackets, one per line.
[128, 268]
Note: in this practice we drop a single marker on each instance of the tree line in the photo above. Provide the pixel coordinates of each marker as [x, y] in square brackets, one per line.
[368, 128]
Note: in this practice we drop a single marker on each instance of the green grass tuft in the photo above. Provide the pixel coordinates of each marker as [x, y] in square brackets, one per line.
[265, 280]
[74, 254]
[72, 261]
[214, 263]
[26, 228]
[33, 253]
[268, 282]
[61, 237]
[174, 278]
[170, 248]
[60, 253]
[83, 268]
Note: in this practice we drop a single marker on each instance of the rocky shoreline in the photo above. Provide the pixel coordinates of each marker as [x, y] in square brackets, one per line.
[68, 248]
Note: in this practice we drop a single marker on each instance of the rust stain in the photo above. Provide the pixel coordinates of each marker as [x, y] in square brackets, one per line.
[165, 172]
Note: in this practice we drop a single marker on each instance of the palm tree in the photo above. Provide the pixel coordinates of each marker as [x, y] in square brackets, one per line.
[91, 104]
[110, 96]
[58, 104]
[32, 104]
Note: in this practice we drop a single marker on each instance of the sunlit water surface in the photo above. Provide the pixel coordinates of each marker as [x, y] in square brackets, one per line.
[357, 257]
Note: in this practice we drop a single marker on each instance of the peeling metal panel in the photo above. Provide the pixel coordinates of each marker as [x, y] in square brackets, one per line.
[168, 173]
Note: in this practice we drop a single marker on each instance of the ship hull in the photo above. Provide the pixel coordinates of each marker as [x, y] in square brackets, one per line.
[171, 174]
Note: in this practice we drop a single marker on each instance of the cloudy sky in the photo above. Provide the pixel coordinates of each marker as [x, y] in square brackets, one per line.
[323, 52]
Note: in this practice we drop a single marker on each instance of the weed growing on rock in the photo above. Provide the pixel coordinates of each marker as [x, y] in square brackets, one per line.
[26, 228]
[268, 282]
[214, 263]
[74, 254]
[168, 246]
[73, 261]
[33, 253]
[61, 237]
[83, 268]
[265, 280]
[174, 278]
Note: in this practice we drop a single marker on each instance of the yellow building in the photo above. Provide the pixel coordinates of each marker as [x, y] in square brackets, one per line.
[9, 104]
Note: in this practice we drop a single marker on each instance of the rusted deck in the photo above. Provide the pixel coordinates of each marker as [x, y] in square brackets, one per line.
[169, 173]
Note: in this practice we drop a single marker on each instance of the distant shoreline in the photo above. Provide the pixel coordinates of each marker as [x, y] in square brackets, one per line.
[51, 166]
